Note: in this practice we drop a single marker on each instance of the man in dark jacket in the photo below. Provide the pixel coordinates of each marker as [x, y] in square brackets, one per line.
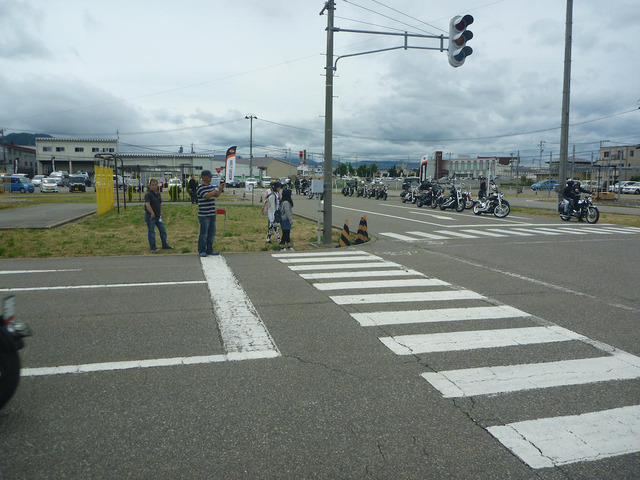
[193, 184]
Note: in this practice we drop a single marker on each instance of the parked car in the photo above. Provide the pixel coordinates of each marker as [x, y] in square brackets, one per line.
[544, 185]
[174, 182]
[631, 188]
[618, 185]
[15, 183]
[134, 183]
[235, 183]
[251, 182]
[37, 180]
[49, 185]
[76, 184]
[61, 177]
[266, 182]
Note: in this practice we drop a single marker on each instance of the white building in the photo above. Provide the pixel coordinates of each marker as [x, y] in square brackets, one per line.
[70, 154]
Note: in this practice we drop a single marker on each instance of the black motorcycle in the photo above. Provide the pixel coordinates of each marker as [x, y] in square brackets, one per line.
[426, 197]
[586, 211]
[455, 200]
[11, 335]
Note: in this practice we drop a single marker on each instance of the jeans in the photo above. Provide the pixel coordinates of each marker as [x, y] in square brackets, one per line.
[152, 223]
[207, 234]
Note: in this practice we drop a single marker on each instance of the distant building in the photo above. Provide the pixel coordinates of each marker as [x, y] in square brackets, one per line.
[623, 160]
[15, 159]
[70, 154]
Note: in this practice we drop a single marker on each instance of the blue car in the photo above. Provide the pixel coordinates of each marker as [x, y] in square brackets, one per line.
[544, 185]
[14, 183]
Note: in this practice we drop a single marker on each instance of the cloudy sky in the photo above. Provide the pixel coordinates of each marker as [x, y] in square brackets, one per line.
[165, 74]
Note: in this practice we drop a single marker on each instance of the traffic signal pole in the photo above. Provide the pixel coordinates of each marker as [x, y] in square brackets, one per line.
[457, 49]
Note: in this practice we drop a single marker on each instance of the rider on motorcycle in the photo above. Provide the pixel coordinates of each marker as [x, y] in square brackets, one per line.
[571, 193]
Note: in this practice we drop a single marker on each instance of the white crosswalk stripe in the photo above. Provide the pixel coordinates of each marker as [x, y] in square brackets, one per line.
[455, 233]
[540, 443]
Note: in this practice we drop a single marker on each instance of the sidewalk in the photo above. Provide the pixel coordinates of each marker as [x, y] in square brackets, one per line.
[44, 216]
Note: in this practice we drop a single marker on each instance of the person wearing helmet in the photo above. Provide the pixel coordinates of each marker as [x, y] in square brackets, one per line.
[567, 195]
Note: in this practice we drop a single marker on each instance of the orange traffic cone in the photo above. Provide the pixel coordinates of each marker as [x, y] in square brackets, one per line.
[344, 238]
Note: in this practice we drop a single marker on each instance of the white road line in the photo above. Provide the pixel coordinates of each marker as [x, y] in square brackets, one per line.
[437, 315]
[512, 378]
[357, 258]
[548, 231]
[456, 234]
[411, 282]
[472, 340]
[241, 327]
[439, 217]
[443, 295]
[12, 272]
[160, 362]
[337, 253]
[398, 236]
[484, 232]
[535, 231]
[510, 232]
[619, 230]
[430, 236]
[360, 274]
[570, 231]
[339, 266]
[596, 230]
[113, 285]
[549, 442]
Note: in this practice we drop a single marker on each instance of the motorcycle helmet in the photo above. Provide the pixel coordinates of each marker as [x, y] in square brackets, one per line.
[576, 184]
[570, 183]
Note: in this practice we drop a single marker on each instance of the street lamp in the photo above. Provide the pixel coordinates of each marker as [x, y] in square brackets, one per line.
[251, 117]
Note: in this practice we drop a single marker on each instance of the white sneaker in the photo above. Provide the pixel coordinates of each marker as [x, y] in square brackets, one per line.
[289, 249]
[283, 249]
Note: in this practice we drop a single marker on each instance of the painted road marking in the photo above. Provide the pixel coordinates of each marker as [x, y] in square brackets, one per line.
[241, 327]
[410, 282]
[510, 232]
[159, 362]
[456, 234]
[471, 340]
[512, 378]
[115, 285]
[360, 274]
[437, 315]
[356, 258]
[550, 442]
[340, 266]
[438, 296]
[398, 236]
[339, 253]
[430, 236]
[11, 272]
[571, 231]
[484, 232]
[548, 231]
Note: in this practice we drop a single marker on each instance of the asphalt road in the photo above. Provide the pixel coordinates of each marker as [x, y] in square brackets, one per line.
[163, 379]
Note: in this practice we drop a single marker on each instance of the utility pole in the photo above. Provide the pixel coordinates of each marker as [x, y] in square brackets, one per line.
[250, 118]
[566, 90]
[329, 7]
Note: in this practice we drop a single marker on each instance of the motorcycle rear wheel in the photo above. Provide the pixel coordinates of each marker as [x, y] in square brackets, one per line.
[477, 209]
[592, 215]
[9, 370]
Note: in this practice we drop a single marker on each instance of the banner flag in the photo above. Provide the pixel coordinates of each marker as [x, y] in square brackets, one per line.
[230, 165]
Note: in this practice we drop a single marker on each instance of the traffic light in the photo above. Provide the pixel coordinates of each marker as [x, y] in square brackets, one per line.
[458, 38]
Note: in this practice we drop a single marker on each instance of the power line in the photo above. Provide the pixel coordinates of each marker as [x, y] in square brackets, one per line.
[388, 17]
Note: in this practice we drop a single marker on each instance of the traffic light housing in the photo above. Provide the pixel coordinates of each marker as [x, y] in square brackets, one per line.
[458, 38]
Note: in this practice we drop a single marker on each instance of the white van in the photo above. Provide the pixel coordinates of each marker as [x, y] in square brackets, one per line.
[266, 182]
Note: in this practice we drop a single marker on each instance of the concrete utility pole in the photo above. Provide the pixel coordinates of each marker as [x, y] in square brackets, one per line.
[251, 117]
[566, 90]
[329, 7]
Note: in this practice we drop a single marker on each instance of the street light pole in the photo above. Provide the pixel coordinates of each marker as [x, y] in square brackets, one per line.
[250, 118]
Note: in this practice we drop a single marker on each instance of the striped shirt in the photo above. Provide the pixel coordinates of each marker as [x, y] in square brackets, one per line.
[207, 206]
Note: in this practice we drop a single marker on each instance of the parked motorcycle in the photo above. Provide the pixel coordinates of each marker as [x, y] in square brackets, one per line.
[11, 335]
[381, 192]
[455, 200]
[348, 189]
[426, 197]
[410, 195]
[495, 204]
[586, 210]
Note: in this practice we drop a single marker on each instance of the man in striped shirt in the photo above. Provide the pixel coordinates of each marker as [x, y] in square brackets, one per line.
[207, 195]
